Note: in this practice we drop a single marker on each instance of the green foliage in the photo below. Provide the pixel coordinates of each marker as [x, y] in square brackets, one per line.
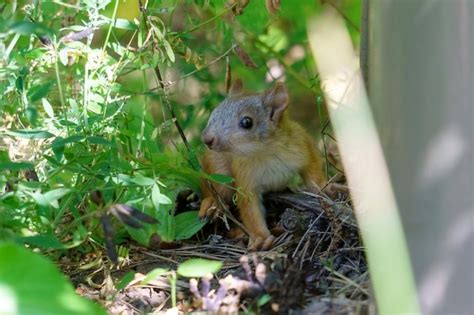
[154, 274]
[187, 224]
[198, 267]
[39, 290]
[126, 279]
[90, 131]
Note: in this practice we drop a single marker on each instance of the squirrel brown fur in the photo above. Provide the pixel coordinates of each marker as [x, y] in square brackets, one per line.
[251, 138]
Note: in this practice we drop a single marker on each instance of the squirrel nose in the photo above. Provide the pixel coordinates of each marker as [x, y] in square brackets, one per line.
[208, 140]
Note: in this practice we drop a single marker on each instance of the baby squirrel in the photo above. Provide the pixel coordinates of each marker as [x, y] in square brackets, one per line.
[251, 138]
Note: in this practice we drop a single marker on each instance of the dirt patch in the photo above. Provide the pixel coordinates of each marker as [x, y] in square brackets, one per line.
[317, 266]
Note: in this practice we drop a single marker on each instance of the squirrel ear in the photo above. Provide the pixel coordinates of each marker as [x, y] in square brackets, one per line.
[277, 100]
[236, 87]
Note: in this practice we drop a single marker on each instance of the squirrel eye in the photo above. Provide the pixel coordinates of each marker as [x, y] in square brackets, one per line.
[246, 122]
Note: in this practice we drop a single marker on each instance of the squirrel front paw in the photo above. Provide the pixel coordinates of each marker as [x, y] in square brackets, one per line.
[209, 208]
[261, 242]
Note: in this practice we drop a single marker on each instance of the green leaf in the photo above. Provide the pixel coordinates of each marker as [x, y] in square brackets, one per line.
[30, 134]
[39, 91]
[29, 28]
[198, 267]
[45, 241]
[169, 51]
[125, 24]
[221, 178]
[4, 158]
[188, 224]
[123, 179]
[20, 83]
[125, 280]
[94, 107]
[152, 275]
[59, 144]
[167, 227]
[51, 196]
[164, 200]
[31, 114]
[63, 56]
[165, 216]
[29, 185]
[158, 198]
[255, 17]
[155, 195]
[142, 235]
[275, 38]
[99, 140]
[48, 108]
[264, 299]
[141, 180]
[13, 166]
[31, 284]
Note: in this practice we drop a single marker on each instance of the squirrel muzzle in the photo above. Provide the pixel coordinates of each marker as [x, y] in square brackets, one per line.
[208, 140]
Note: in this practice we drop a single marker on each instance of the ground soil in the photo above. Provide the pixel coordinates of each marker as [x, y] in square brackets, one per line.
[317, 266]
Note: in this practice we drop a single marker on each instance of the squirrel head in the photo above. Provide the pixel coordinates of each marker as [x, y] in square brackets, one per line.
[243, 123]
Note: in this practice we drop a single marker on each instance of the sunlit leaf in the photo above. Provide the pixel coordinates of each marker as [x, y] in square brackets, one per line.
[94, 107]
[158, 198]
[30, 134]
[169, 51]
[63, 56]
[141, 180]
[125, 24]
[152, 275]
[198, 267]
[48, 108]
[51, 196]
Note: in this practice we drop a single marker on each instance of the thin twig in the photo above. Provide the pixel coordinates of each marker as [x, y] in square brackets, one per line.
[215, 17]
[184, 76]
[344, 16]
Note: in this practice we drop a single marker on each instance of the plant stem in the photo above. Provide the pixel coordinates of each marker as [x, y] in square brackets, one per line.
[111, 25]
[365, 167]
[85, 95]
[172, 279]
[61, 95]
[141, 37]
[142, 126]
[11, 45]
